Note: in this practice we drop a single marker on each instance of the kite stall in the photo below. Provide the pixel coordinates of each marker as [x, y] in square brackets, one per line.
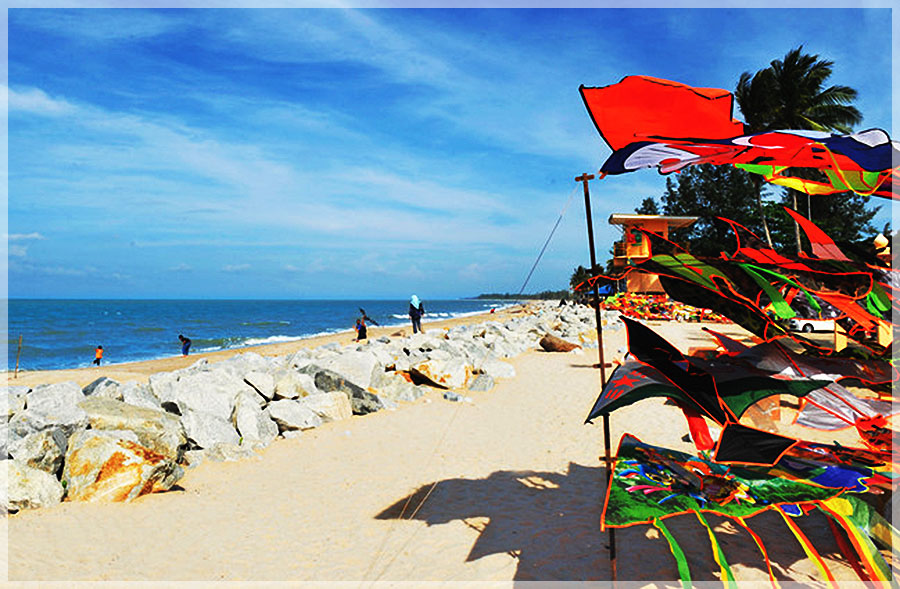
[740, 471]
[658, 308]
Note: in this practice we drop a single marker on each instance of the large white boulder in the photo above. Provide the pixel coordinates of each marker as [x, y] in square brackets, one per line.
[156, 429]
[101, 467]
[24, 487]
[139, 394]
[47, 407]
[333, 406]
[43, 450]
[290, 384]
[291, 415]
[449, 374]
[355, 366]
[206, 430]
[251, 422]
[261, 382]
[210, 391]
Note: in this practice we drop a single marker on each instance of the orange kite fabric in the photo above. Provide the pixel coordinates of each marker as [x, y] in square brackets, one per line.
[641, 107]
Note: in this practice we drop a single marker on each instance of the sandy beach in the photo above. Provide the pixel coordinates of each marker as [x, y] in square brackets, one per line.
[141, 371]
[505, 489]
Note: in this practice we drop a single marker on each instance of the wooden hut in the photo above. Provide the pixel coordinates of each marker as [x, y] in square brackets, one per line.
[633, 248]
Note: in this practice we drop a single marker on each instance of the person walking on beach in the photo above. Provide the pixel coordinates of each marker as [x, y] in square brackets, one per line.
[185, 344]
[416, 310]
[360, 329]
[98, 355]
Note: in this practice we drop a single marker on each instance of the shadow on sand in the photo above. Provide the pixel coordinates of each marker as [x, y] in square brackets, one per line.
[550, 522]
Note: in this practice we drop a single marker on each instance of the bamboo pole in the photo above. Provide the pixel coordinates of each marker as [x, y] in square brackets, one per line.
[18, 351]
[584, 178]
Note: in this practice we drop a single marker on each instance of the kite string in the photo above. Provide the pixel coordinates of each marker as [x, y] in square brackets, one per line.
[422, 502]
[381, 549]
[549, 237]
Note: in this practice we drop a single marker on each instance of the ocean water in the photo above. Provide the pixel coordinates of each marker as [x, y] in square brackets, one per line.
[64, 333]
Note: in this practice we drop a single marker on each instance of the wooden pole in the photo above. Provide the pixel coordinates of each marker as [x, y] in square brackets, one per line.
[18, 351]
[584, 178]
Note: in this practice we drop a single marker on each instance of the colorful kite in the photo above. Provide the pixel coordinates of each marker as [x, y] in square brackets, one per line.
[760, 289]
[650, 484]
[739, 388]
[653, 123]
[723, 388]
[649, 122]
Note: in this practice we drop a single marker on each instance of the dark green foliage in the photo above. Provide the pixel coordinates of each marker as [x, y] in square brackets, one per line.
[791, 94]
[580, 274]
[844, 217]
[554, 295]
[648, 207]
[708, 192]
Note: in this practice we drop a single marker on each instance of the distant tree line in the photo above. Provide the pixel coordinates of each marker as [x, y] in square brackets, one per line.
[546, 295]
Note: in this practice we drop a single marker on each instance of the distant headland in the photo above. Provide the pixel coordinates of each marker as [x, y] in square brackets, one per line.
[544, 295]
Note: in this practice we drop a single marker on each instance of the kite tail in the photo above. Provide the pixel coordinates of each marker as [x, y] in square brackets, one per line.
[684, 572]
[762, 549]
[848, 515]
[808, 548]
[718, 554]
[698, 428]
[847, 550]
[840, 174]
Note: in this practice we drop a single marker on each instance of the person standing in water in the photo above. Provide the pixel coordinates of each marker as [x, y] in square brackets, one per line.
[98, 355]
[416, 310]
[185, 344]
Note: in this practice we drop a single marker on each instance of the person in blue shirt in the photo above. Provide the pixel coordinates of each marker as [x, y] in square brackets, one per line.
[185, 344]
[360, 329]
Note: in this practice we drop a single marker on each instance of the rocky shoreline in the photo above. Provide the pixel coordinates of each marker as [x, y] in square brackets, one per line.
[111, 441]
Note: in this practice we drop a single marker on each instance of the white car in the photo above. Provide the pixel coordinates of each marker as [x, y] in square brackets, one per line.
[811, 325]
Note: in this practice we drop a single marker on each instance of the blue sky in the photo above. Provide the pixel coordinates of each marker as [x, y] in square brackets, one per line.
[351, 153]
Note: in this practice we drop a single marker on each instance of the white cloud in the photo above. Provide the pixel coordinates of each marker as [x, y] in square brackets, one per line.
[244, 185]
[62, 271]
[181, 268]
[36, 101]
[18, 251]
[235, 267]
[23, 236]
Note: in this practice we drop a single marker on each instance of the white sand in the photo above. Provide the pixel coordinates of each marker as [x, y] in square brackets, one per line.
[508, 488]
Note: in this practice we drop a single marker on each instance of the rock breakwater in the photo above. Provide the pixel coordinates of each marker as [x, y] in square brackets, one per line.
[113, 441]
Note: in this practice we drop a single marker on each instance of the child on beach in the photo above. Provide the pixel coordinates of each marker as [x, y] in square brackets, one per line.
[360, 329]
[185, 344]
[98, 355]
[416, 310]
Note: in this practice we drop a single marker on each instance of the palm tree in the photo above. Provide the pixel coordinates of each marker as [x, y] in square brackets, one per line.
[791, 94]
[802, 101]
[755, 95]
